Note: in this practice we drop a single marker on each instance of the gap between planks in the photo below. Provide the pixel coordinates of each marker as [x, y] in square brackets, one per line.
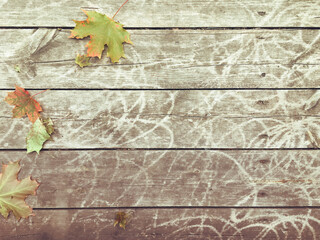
[163, 149]
[163, 89]
[174, 28]
[178, 207]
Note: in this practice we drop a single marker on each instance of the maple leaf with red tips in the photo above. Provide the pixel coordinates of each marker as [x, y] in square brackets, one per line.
[24, 104]
[102, 31]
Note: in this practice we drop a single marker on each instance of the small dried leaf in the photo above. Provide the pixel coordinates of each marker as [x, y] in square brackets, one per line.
[17, 68]
[82, 60]
[122, 219]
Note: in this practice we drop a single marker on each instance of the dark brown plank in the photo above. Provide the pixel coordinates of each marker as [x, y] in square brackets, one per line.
[166, 59]
[172, 119]
[225, 224]
[171, 178]
[161, 13]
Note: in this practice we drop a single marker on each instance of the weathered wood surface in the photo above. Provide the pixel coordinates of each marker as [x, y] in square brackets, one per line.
[74, 177]
[162, 13]
[120, 178]
[172, 59]
[172, 119]
[222, 224]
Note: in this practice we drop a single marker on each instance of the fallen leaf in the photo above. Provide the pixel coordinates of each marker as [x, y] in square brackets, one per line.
[82, 60]
[48, 124]
[13, 192]
[39, 133]
[24, 104]
[122, 219]
[102, 31]
[17, 68]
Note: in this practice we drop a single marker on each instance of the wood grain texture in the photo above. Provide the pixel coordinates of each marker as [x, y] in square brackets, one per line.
[222, 224]
[161, 13]
[166, 59]
[172, 119]
[73, 179]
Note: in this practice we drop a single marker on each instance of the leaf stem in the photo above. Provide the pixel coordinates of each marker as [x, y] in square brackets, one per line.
[119, 9]
[39, 93]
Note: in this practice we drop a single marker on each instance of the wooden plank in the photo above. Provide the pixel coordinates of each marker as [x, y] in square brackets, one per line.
[71, 179]
[242, 224]
[161, 13]
[171, 59]
[172, 119]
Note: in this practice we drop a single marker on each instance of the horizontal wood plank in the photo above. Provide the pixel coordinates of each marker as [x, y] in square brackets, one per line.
[172, 119]
[161, 13]
[225, 224]
[166, 59]
[73, 179]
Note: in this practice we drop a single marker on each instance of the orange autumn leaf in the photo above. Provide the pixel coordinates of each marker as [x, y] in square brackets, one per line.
[24, 104]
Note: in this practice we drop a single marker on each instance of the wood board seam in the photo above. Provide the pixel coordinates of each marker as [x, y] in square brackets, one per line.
[172, 28]
[179, 207]
[164, 149]
[165, 89]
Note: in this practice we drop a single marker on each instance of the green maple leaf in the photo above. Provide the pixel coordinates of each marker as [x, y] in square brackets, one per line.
[38, 134]
[13, 192]
[102, 31]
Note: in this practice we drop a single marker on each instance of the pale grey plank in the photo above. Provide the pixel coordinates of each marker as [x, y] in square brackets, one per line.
[161, 13]
[222, 224]
[71, 179]
[172, 119]
[170, 59]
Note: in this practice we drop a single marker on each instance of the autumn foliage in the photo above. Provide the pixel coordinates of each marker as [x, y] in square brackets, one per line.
[41, 128]
[24, 104]
[13, 192]
[122, 218]
[102, 31]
